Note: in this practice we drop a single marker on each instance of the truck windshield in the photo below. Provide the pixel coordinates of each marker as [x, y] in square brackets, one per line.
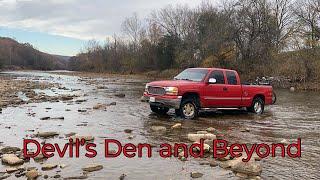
[192, 75]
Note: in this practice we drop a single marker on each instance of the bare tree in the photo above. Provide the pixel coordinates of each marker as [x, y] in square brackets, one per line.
[133, 28]
[308, 15]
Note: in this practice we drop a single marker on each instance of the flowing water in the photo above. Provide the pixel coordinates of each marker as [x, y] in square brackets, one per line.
[295, 115]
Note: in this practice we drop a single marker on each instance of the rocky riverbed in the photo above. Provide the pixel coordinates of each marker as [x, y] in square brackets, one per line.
[54, 107]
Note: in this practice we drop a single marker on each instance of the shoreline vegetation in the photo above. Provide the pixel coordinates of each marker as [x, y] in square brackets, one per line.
[279, 39]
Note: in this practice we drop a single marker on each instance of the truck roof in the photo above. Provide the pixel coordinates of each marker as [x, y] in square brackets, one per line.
[213, 69]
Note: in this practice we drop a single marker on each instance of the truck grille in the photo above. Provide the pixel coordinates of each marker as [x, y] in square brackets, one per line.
[156, 90]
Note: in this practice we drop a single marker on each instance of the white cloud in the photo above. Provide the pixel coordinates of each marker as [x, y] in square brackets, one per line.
[81, 19]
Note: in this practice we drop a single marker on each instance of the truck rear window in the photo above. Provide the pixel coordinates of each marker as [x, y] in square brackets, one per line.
[192, 75]
[232, 78]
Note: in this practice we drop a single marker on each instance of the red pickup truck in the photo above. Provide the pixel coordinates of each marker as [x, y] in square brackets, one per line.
[197, 89]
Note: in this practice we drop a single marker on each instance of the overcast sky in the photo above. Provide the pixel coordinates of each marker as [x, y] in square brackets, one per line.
[63, 26]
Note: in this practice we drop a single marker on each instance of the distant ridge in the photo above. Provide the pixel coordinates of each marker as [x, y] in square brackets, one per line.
[15, 55]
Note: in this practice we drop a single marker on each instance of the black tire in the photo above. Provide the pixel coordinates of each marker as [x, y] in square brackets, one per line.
[257, 106]
[177, 112]
[159, 110]
[189, 108]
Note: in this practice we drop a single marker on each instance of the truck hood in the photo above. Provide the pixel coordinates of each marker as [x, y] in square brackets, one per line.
[172, 83]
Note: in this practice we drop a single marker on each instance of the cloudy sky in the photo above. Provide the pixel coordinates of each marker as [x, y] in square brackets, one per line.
[64, 26]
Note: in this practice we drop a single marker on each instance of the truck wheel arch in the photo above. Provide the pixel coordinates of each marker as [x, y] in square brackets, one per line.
[192, 95]
[259, 96]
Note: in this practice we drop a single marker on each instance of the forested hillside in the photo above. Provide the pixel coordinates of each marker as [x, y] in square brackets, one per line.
[15, 55]
[258, 38]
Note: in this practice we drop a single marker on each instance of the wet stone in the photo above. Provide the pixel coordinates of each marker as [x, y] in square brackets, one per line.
[196, 175]
[32, 174]
[47, 167]
[47, 134]
[12, 159]
[9, 149]
[120, 95]
[92, 167]
[128, 130]
[177, 126]
[158, 128]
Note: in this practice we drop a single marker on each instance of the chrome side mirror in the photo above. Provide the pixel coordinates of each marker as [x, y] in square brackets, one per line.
[212, 80]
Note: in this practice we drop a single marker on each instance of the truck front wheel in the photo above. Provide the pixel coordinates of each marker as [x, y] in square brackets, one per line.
[159, 110]
[188, 108]
[257, 106]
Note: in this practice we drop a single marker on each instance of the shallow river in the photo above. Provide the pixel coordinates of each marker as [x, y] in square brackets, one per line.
[294, 115]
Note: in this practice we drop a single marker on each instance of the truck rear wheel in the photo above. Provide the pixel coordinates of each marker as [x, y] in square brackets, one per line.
[189, 109]
[159, 110]
[257, 106]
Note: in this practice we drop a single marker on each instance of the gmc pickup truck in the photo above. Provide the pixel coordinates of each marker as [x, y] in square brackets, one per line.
[197, 89]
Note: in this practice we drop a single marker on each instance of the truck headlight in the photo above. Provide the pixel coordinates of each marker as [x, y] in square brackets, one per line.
[146, 88]
[171, 90]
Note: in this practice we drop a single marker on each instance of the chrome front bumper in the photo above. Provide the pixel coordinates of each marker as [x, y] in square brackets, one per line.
[165, 102]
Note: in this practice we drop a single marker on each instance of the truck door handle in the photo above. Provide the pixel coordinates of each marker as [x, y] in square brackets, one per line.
[225, 89]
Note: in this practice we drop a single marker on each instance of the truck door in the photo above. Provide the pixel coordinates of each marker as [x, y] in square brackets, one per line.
[214, 94]
[233, 95]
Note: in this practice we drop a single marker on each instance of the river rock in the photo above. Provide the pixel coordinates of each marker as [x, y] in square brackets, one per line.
[113, 104]
[143, 99]
[128, 130]
[4, 176]
[99, 106]
[86, 138]
[32, 174]
[11, 159]
[120, 95]
[210, 129]
[202, 132]
[11, 170]
[284, 141]
[177, 126]
[47, 134]
[292, 89]
[57, 118]
[47, 167]
[197, 137]
[245, 130]
[158, 128]
[213, 163]
[250, 168]
[9, 150]
[206, 148]
[196, 175]
[92, 167]
[39, 157]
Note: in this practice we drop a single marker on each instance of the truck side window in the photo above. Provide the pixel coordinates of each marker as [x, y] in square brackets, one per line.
[218, 75]
[232, 78]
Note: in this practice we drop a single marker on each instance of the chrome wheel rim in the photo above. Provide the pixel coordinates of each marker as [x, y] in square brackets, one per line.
[188, 110]
[257, 107]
